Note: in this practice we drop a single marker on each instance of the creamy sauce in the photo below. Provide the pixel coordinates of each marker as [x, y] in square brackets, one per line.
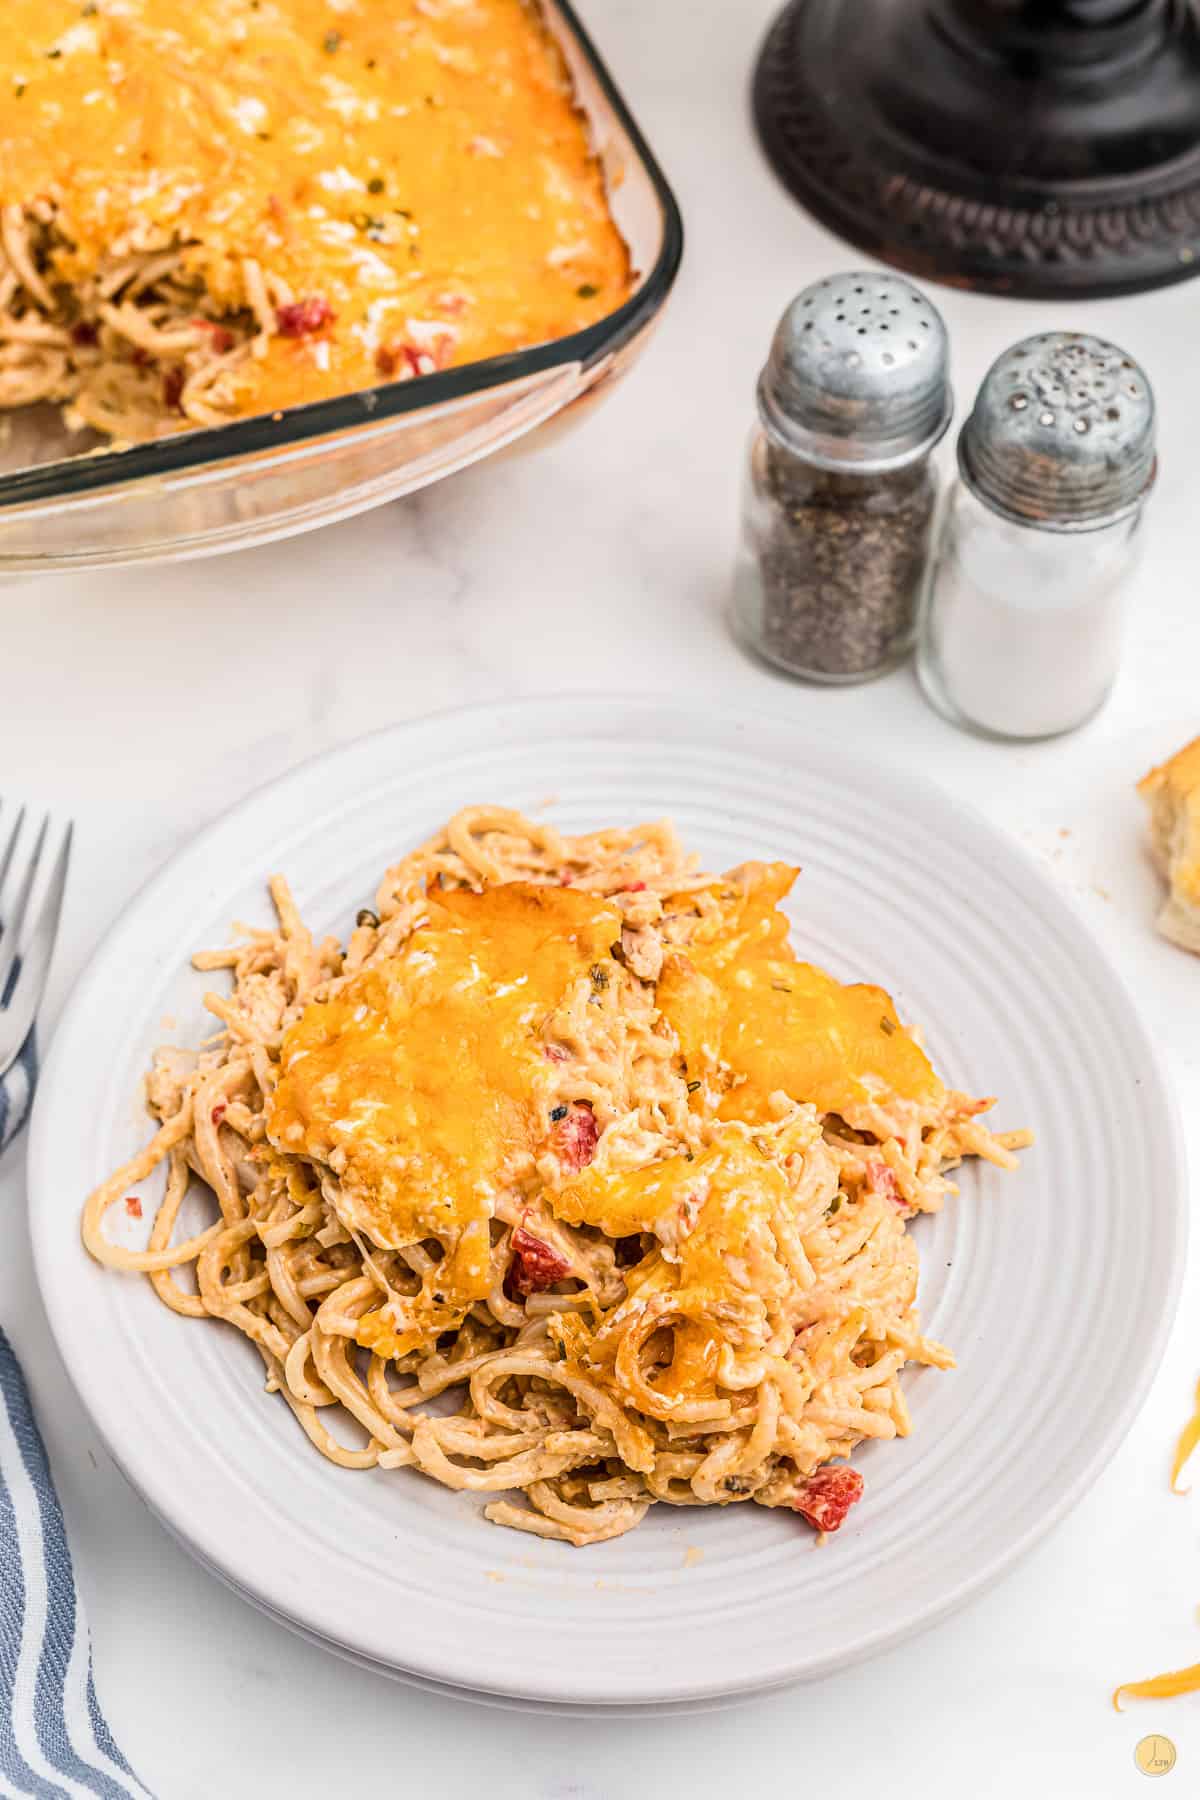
[418, 165]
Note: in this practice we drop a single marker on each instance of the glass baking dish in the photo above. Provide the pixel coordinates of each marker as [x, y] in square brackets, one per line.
[63, 506]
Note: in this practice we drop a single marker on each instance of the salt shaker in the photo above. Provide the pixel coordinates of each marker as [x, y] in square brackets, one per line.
[1022, 633]
[841, 493]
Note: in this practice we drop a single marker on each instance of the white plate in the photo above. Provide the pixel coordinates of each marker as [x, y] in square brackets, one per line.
[1055, 1287]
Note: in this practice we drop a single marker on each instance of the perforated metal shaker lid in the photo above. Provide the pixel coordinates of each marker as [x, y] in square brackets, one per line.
[858, 374]
[1061, 434]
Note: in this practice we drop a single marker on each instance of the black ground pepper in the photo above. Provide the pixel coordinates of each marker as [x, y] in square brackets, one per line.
[841, 489]
[836, 563]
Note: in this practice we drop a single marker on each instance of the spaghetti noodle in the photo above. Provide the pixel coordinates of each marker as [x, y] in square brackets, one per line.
[567, 1131]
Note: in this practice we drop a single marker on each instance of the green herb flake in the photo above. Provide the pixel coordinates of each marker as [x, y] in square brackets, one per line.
[90, 10]
[781, 987]
[366, 917]
[54, 54]
[376, 184]
[557, 1113]
[887, 1026]
[693, 1085]
[599, 975]
[587, 290]
[331, 42]
[20, 89]
[835, 1205]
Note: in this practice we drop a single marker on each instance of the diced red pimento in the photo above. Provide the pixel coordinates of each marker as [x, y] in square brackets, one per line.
[302, 318]
[634, 887]
[220, 336]
[404, 360]
[826, 1496]
[218, 1113]
[85, 332]
[883, 1180]
[133, 1206]
[557, 1052]
[536, 1265]
[396, 359]
[573, 1138]
[172, 387]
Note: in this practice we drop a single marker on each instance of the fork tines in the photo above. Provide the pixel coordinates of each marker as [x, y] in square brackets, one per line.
[27, 931]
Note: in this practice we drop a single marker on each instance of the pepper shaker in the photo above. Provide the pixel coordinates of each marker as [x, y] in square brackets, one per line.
[1022, 633]
[841, 492]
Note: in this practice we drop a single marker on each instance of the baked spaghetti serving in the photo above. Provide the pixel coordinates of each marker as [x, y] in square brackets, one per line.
[565, 1133]
[209, 211]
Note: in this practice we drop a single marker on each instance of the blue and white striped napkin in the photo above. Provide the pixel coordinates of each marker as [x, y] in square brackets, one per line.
[16, 1091]
[54, 1741]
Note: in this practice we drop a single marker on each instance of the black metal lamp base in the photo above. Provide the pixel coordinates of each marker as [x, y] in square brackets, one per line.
[1031, 147]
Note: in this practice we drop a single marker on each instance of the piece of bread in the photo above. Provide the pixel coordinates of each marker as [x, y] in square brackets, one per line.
[1172, 792]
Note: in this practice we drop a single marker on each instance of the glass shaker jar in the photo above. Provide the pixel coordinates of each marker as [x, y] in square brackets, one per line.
[1022, 634]
[841, 492]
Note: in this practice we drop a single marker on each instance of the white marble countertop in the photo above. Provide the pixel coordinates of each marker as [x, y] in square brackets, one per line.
[603, 561]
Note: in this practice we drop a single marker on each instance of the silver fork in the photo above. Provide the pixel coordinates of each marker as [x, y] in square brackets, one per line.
[27, 953]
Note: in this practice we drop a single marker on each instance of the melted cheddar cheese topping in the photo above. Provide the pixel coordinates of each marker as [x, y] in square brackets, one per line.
[737, 995]
[716, 1215]
[425, 1083]
[422, 1082]
[418, 166]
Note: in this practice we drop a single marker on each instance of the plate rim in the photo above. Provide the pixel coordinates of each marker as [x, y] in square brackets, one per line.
[587, 710]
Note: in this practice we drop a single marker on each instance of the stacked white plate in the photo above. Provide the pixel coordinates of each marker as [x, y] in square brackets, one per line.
[1055, 1287]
